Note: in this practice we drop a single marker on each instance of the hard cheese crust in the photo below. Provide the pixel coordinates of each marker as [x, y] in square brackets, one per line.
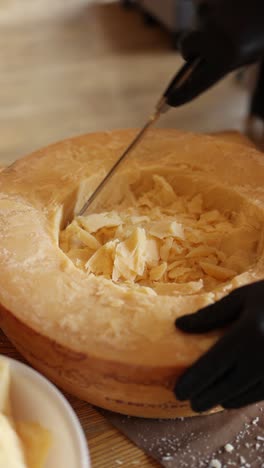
[183, 228]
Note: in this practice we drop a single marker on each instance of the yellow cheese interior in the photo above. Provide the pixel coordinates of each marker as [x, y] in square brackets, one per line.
[163, 241]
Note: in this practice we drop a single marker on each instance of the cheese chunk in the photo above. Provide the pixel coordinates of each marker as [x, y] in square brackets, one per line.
[36, 442]
[94, 222]
[102, 262]
[217, 272]
[130, 256]
[167, 229]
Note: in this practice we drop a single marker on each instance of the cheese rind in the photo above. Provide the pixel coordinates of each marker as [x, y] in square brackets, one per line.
[122, 334]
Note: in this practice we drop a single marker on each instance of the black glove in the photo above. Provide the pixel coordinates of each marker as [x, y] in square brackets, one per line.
[229, 34]
[231, 373]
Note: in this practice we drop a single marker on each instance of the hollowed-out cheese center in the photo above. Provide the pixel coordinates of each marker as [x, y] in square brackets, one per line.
[162, 241]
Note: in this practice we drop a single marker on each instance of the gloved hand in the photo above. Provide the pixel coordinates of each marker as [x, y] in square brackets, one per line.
[229, 34]
[231, 373]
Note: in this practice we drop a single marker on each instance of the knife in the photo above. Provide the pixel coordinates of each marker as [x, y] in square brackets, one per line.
[161, 107]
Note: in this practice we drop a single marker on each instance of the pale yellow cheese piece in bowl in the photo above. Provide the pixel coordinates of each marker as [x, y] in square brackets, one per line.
[36, 441]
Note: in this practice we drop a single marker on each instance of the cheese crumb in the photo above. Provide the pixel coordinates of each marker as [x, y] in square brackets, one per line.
[229, 448]
[167, 458]
[215, 463]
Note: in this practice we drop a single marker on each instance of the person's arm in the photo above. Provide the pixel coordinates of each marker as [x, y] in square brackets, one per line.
[231, 373]
[229, 34]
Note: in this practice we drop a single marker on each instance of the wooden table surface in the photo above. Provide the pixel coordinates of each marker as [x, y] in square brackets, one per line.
[108, 447]
[76, 66]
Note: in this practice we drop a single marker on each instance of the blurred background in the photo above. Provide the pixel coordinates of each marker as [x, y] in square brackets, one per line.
[75, 66]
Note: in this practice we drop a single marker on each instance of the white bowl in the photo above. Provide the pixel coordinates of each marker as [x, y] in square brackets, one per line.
[35, 399]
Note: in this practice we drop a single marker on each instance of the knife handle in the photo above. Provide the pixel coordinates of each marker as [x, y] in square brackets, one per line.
[193, 79]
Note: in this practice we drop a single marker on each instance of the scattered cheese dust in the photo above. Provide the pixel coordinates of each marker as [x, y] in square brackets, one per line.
[161, 240]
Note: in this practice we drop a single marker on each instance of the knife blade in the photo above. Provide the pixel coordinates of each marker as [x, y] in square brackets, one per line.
[161, 107]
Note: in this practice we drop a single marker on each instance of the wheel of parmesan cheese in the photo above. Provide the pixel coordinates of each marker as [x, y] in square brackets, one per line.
[91, 301]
